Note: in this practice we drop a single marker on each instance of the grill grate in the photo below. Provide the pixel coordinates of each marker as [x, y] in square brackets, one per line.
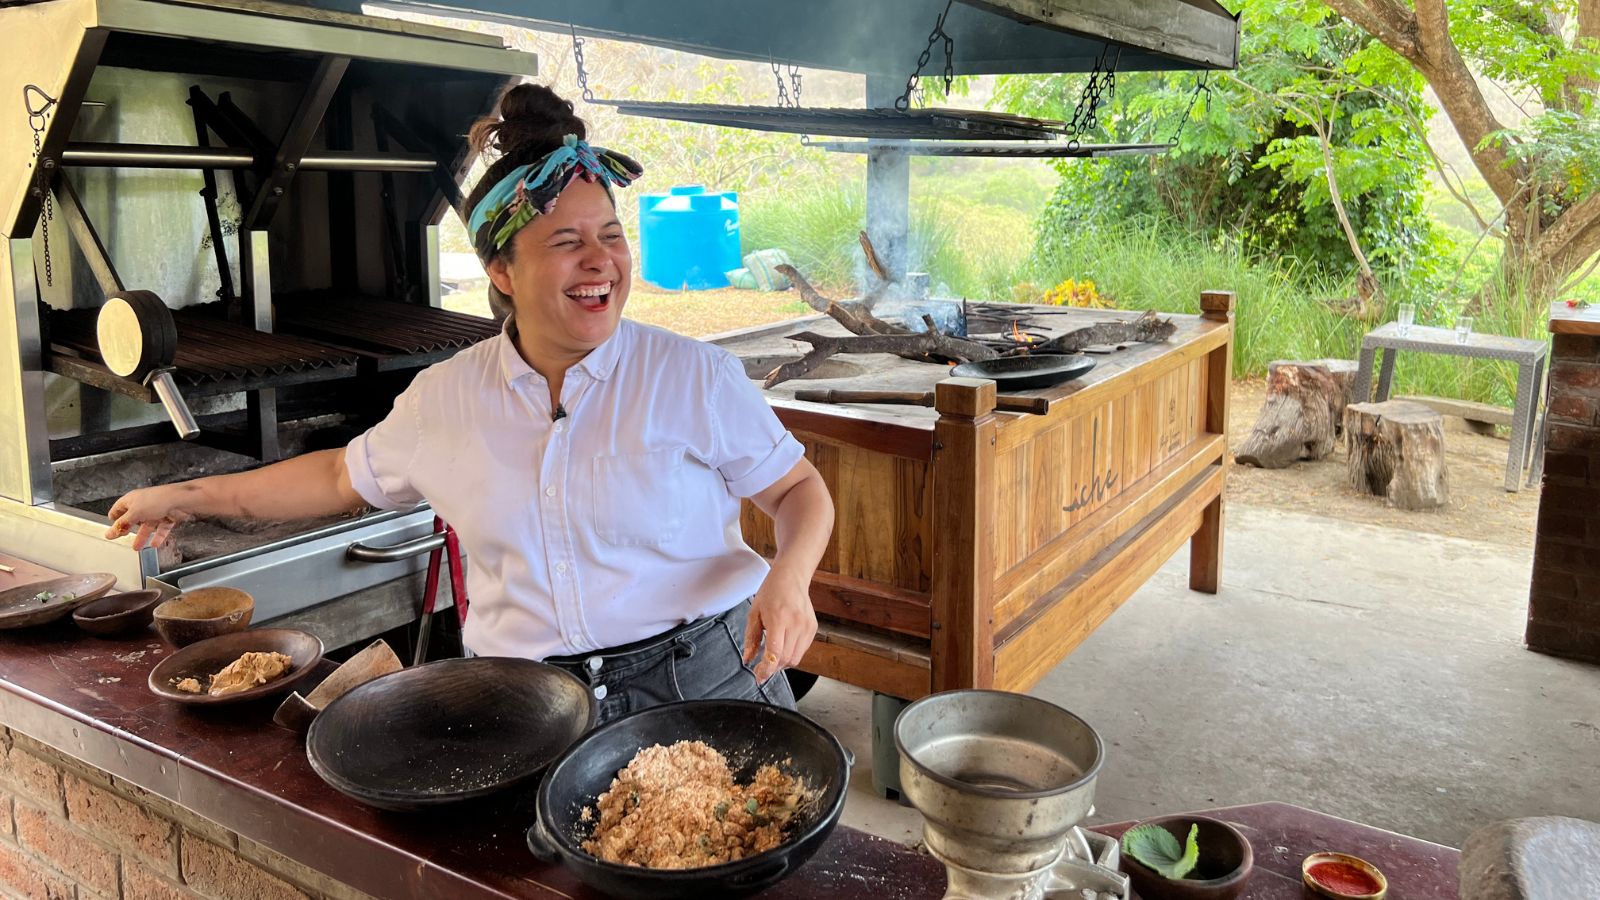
[889, 124]
[387, 334]
[213, 356]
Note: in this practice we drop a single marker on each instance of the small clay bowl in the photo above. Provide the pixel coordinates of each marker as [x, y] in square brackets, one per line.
[204, 613]
[205, 658]
[1226, 861]
[20, 608]
[118, 613]
[1322, 889]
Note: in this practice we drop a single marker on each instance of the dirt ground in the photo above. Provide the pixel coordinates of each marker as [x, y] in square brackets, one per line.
[1479, 509]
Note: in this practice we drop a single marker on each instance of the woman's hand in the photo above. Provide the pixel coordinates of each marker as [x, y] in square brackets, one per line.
[782, 609]
[802, 516]
[153, 512]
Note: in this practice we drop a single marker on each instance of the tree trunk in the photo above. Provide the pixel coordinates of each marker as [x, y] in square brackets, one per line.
[1297, 420]
[1396, 451]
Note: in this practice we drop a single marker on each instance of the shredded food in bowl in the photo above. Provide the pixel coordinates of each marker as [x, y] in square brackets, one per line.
[679, 807]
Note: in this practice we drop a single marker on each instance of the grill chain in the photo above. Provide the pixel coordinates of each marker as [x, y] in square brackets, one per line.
[38, 120]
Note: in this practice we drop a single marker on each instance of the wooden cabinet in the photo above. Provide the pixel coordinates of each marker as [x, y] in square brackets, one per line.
[974, 548]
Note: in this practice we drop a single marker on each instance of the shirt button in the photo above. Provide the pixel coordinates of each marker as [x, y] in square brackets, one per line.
[560, 427]
[550, 491]
[600, 692]
[595, 663]
[561, 568]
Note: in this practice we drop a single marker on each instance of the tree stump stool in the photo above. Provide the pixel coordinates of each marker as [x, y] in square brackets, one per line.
[1396, 451]
[1544, 858]
[1344, 372]
[1302, 415]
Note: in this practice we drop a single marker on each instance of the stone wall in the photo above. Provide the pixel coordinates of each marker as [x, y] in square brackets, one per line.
[69, 831]
[1564, 604]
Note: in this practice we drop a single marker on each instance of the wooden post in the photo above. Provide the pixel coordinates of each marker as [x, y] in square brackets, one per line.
[1205, 548]
[963, 540]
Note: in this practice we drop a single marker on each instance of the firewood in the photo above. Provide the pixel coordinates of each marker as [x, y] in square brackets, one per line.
[1148, 328]
[1397, 452]
[914, 346]
[876, 265]
[1297, 421]
[857, 318]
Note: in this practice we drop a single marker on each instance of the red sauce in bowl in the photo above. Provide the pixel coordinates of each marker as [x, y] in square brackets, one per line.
[1344, 878]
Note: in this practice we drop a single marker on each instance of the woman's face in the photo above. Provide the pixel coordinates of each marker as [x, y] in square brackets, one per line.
[569, 274]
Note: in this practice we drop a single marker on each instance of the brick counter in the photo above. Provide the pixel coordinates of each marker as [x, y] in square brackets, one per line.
[107, 791]
[1564, 602]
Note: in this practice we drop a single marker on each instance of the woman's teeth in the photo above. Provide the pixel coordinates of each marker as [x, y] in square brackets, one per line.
[592, 298]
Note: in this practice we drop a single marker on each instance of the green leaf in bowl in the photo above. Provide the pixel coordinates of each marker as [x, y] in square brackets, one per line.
[1157, 848]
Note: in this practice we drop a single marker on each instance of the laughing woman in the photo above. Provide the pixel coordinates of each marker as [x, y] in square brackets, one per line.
[592, 466]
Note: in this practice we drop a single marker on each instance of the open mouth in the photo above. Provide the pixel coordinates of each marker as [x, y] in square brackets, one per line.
[592, 297]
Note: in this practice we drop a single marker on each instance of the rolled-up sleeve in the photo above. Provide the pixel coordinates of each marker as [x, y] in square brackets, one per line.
[380, 460]
[753, 449]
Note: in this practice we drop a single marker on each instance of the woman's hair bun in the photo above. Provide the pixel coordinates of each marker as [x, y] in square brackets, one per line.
[533, 120]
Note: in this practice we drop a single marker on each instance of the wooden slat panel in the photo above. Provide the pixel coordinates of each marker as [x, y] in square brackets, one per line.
[1062, 619]
[871, 604]
[1016, 589]
[913, 536]
[865, 669]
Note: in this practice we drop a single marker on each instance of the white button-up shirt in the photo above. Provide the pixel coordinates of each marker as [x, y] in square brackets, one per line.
[608, 526]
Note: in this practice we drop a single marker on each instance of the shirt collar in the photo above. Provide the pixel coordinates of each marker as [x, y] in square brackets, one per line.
[599, 364]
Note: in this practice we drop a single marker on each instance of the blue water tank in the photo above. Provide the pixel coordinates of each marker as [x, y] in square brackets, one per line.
[688, 238]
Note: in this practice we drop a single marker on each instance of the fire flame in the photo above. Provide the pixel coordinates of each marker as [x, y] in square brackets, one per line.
[1017, 334]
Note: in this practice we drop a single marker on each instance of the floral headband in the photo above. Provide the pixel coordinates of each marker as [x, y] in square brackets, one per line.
[530, 190]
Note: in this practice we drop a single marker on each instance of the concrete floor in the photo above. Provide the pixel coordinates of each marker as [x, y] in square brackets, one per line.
[1367, 672]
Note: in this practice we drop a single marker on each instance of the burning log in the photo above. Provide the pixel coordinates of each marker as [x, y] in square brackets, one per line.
[912, 346]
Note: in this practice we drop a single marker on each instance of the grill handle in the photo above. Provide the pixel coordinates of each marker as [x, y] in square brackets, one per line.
[177, 410]
[359, 552]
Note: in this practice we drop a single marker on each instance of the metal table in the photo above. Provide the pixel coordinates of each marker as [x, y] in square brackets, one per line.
[1529, 356]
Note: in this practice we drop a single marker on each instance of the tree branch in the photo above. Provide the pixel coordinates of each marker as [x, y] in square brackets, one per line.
[856, 318]
[919, 344]
[1385, 21]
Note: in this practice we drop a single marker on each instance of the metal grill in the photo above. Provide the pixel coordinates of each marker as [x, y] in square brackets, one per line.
[887, 124]
[387, 335]
[214, 356]
[996, 149]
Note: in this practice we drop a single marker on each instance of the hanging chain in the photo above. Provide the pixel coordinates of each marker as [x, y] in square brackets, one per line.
[1100, 88]
[783, 89]
[794, 81]
[1202, 86]
[38, 120]
[577, 56]
[938, 33]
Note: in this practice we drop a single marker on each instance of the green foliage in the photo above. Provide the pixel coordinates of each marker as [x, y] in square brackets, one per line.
[1249, 161]
[1157, 848]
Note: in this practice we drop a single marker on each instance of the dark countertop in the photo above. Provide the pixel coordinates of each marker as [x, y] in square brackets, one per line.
[87, 697]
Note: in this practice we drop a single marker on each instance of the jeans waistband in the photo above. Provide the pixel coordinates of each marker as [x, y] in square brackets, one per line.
[648, 647]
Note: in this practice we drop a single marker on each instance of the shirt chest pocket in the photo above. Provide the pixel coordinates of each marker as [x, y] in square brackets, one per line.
[639, 498]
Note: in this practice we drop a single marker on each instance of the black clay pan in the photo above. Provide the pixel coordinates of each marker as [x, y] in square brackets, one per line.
[447, 731]
[749, 735]
[1025, 373]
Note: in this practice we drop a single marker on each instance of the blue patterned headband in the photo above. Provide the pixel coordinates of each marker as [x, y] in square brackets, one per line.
[530, 190]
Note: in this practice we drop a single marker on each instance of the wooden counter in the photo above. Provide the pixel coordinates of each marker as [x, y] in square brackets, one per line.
[974, 548]
[87, 698]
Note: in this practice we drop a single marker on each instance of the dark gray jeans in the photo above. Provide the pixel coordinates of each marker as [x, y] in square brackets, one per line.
[701, 660]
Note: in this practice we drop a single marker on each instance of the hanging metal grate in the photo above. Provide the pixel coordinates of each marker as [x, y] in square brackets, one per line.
[996, 149]
[885, 124]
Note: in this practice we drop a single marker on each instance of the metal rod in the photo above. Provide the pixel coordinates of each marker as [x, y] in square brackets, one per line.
[84, 235]
[296, 141]
[174, 156]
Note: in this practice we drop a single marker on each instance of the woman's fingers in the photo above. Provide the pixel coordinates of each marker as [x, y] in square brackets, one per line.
[142, 539]
[752, 635]
[162, 530]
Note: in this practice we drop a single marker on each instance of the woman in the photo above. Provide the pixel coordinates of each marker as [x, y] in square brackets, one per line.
[592, 466]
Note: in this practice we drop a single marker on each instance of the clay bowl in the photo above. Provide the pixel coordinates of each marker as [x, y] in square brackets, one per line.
[203, 613]
[1224, 868]
[118, 613]
[205, 658]
[20, 608]
[1318, 888]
